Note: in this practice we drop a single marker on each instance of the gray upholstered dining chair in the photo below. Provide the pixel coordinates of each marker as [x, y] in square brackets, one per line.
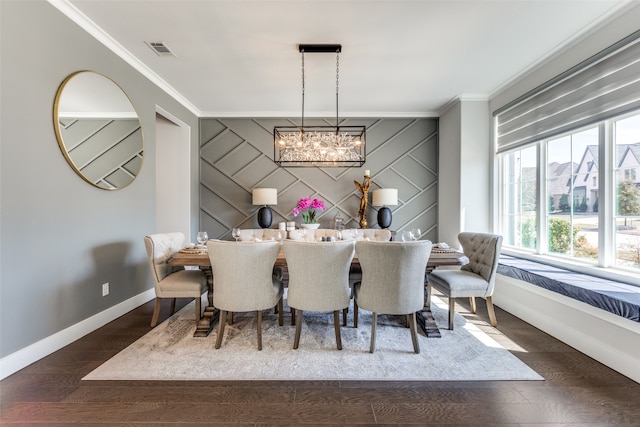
[355, 273]
[392, 282]
[318, 280]
[475, 279]
[244, 280]
[172, 281]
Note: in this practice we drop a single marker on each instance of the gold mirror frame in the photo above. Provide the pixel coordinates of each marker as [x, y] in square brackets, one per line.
[98, 130]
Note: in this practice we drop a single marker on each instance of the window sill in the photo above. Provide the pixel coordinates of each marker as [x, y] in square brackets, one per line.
[619, 298]
[610, 273]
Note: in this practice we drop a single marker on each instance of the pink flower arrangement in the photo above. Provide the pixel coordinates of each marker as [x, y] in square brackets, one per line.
[307, 206]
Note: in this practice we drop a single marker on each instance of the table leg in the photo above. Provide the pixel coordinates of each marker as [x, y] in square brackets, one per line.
[424, 318]
[211, 314]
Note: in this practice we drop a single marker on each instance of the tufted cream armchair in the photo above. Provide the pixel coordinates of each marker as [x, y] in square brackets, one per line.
[475, 279]
[244, 280]
[171, 281]
[318, 280]
[392, 282]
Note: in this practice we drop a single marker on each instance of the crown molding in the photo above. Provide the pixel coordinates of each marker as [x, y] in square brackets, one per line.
[616, 12]
[71, 12]
[465, 97]
[312, 114]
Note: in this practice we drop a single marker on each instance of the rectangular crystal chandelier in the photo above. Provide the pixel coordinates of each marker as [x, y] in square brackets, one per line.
[319, 146]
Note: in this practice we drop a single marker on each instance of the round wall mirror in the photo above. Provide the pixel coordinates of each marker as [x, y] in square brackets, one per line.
[98, 130]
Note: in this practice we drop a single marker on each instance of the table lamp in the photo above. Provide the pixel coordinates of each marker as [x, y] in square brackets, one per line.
[264, 197]
[384, 197]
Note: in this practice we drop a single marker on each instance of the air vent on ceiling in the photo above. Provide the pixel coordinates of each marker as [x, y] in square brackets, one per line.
[161, 48]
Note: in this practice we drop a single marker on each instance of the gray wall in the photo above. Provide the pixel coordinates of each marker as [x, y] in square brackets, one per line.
[61, 238]
[237, 155]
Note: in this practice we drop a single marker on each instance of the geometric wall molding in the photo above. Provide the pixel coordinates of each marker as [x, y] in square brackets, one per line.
[236, 155]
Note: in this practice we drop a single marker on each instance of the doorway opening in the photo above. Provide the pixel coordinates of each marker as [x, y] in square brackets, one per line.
[173, 173]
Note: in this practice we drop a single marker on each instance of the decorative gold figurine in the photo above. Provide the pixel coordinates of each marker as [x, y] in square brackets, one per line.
[364, 189]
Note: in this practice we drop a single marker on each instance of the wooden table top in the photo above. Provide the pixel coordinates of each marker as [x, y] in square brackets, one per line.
[436, 259]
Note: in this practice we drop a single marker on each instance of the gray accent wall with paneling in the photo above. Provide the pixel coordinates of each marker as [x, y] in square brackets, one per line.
[236, 155]
[108, 152]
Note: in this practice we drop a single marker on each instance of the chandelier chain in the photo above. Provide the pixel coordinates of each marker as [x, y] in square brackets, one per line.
[324, 146]
[337, 85]
[302, 89]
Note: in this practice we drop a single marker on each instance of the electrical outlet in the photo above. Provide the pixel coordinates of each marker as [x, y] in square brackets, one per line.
[105, 289]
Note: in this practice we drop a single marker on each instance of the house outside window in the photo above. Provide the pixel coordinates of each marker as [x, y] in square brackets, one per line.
[627, 210]
[564, 219]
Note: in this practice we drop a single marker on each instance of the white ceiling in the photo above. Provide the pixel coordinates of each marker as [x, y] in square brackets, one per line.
[399, 58]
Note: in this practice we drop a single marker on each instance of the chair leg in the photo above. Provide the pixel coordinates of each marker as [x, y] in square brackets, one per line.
[472, 302]
[344, 316]
[355, 314]
[259, 328]
[293, 316]
[492, 312]
[156, 313]
[452, 311]
[414, 332]
[374, 320]
[280, 313]
[230, 318]
[427, 302]
[221, 323]
[296, 340]
[336, 325]
[173, 306]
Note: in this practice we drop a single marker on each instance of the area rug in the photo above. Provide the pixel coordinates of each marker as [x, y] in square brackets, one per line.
[170, 352]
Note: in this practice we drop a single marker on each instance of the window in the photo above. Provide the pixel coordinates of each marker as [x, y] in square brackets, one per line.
[571, 223]
[630, 174]
[520, 189]
[565, 219]
[627, 224]
[584, 128]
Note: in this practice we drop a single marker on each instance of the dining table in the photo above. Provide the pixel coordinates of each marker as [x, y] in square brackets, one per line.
[200, 259]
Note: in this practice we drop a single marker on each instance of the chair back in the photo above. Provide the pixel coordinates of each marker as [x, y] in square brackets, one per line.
[318, 274]
[373, 234]
[483, 251]
[393, 275]
[261, 234]
[243, 274]
[160, 247]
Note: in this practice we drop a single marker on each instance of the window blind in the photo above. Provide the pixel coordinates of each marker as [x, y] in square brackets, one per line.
[599, 88]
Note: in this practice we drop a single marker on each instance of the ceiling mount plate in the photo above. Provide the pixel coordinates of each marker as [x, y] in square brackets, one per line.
[320, 48]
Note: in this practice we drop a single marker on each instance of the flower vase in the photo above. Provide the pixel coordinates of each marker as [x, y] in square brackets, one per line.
[310, 226]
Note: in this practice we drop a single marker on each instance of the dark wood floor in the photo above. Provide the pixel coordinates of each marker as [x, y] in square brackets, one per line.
[577, 390]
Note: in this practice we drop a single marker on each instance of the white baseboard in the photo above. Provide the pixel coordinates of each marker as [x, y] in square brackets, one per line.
[610, 339]
[36, 351]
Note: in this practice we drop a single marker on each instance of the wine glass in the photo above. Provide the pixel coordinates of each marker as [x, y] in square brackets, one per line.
[202, 237]
[353, 233]
[416, 233]
[407, 236]
[235, 233]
